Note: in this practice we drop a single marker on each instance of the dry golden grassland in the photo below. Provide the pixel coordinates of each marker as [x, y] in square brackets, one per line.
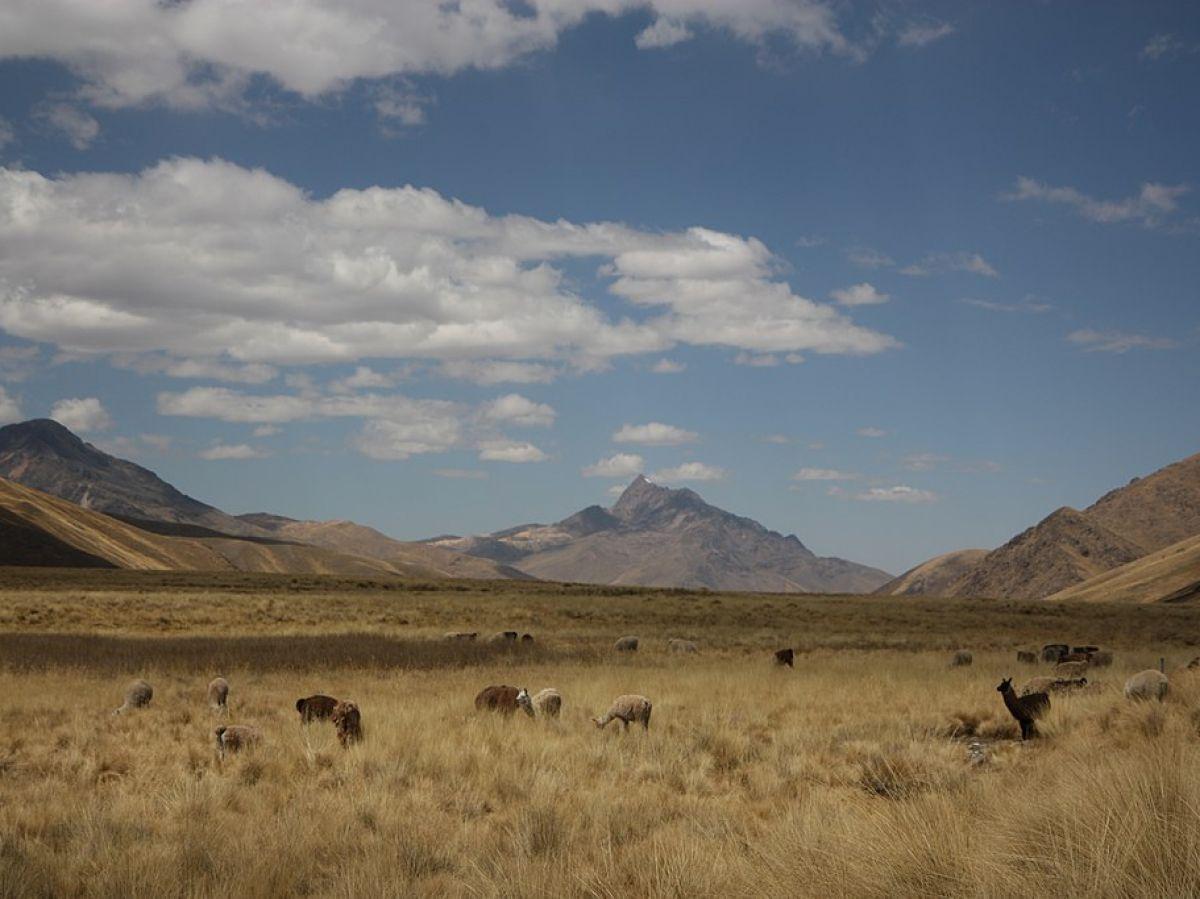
[851, 775]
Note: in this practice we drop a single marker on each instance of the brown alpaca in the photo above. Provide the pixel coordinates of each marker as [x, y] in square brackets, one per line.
[1026, 709]
[316, 708]
[785, 657]
[504, 699]
[347, 722]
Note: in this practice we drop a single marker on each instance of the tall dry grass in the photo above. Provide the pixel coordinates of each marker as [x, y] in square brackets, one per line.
[852, 775]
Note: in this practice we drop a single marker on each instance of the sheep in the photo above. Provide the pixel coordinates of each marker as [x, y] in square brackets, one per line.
[1148, 684]
[626, 644]
[1026, 709]
[677, 645]
[1052, 652]
[347, 722]
[1053, 685]
[961, 658]
[547, 703]
[503, 637]
[504, 699]
[218, 694]
[317, 707]
[465, 636]
[626, 709]
[785, 657]
[236, 737]
[137, 695]
[1070, 669]
[1026, 657]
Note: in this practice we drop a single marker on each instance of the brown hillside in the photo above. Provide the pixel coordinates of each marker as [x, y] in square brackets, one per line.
[1169, 575]
[1064, 548]
[936, 577]
[1157, 510]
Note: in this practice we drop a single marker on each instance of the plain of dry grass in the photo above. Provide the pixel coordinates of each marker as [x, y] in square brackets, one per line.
[851, 775]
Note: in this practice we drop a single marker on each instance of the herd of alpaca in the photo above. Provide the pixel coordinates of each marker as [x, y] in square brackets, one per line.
[1026, 708]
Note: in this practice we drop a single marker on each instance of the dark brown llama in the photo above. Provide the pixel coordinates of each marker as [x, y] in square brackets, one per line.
[1026, 709]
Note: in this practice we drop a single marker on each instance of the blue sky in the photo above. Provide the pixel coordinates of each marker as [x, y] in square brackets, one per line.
[897, 277]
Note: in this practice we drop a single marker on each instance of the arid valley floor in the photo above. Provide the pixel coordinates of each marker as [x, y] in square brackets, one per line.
[849, 775]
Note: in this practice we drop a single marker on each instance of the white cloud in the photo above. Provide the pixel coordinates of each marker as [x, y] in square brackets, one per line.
[921, 34]
[865, 257]
[363, 378]
[663, 32]
[77, 126]
[466, 474]
[518, 410]
[1166, 44]
[222, 451]
[205, 53]
[615, 490]
[622, 465]
[940, 263]
[668, 367]
[863, 294]
[10, 408]
[82, 414]
[510, 451]
[426, 431]
[1151, 205]
[808, 241]
[654, 433]
[491, 371]
[898, 494]
[1117, 341]
[266, 431]
[690, 471]
[777, 439]
[399, 104]
[871, 432]
[200, 368]
[923, 461]
[1030, 304]
[756, 360]
[206, 260]
[824, 474]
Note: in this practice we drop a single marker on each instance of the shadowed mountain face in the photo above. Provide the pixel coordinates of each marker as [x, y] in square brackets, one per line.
[660, 537]
[46, 456]
[1070, 547]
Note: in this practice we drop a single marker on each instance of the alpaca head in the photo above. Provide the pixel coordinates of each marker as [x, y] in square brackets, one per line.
[1005, 685]
[524, 702]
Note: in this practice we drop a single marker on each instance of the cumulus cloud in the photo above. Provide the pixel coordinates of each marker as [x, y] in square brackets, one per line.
[82, 414]
[206, 53]
[510, 451]
[492, 371]
[668, 367]
[1117, 341]
[923, 461]
[871, 432]
[689, 471]
[399, 104]
[824, 474]
[10, 408]
[921, 34]
[222, 451]
[1030, 304]
[901, 493]
[863, 294]
[663, 32]
[207, 260]
[1152, 205]
[622, 465]
[76, 125]
[1166, 44]
[654, 433]
[363, 378]
[518, 410]
[940, 263]
[208, 369]
[865, 257]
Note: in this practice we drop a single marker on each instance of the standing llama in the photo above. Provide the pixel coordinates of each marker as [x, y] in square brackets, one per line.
[1026, 709]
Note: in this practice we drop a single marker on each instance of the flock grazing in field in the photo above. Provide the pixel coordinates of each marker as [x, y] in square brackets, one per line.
[1070, 666]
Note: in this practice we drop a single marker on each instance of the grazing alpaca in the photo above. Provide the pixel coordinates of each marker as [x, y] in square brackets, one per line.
[235, 738]
[347, 722]
[504, 699]
[785, 657]
[316, 708]
[626, 709]
[1026, 709]
[218, 694]
[137, 695]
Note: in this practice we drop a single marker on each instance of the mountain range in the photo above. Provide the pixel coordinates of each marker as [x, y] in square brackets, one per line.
[663, 537]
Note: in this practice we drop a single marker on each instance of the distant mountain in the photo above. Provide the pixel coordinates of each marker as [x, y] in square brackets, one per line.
[662, 537]
[1070, 547]
[37, 529]
[357, 539]
[1171, 574]
[935, 577]
[45, 455]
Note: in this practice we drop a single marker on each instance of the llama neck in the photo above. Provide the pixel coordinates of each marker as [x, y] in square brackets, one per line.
[1011, 701]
